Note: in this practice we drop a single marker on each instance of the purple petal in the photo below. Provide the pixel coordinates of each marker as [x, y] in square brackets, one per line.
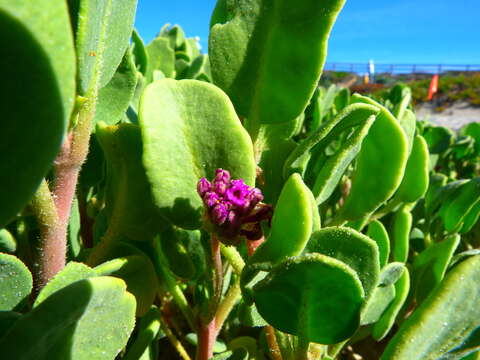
[203, 186]
[254, 196]
[220, 187]
[237, 193]
[211, 198]
[222, 176]
[219, 214]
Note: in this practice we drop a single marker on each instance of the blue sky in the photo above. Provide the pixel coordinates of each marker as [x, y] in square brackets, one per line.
[398, 31]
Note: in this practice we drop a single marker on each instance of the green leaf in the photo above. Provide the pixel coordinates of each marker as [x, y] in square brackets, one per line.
[71, 273]
[322, 303]
[380, 165]
[271, 162]
[257, 47]
[408, 123]
[37, 67]
[473, 130]
[386, 321]
[15, 282]
[195, 123]
[289, 234]
[440, 194]
[148, 331]
[90, 319]
[200, 69]
[7, 319]
[249, 316]
[8, 244]
[139, 53]
[353, 115]
[73, 231]
[414, 184]
[434, 328]
[114, 97]
[139, 275]
[470, 218]
[377, 232]
[459, 203]
[401, 107]
[175, 36]
[103, 29]
[342, 98]
[332, 171]
[353, 248]
[402, 224]
[391, 273]
[174, 242]
[438, 138]
[129, 205]
[430, 265]
[381, 297]
[160, 57]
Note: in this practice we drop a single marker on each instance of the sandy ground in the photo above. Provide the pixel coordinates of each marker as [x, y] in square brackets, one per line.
[453, 117]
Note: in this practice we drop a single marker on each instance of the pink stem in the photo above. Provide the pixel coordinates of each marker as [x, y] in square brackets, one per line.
[208, 330]
[253, 245]
[67, 167]
[206, 340]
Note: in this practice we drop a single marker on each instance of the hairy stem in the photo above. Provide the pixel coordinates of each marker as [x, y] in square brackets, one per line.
[206, 339]
[52, 248]
[207, 333]
[234, 258]
[53, 220]
[231, 298]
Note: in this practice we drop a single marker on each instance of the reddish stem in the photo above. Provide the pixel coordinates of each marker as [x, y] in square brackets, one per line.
[206, 340]
[54, 244]
[207, 330]
[253, 245]
[67, 167]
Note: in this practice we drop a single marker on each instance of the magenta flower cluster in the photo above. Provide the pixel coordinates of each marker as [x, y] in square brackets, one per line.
[233, 207]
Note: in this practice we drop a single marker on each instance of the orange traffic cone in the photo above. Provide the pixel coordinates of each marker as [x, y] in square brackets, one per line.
[433, 87]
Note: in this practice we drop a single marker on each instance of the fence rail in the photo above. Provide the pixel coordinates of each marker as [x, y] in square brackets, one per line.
[362, 68]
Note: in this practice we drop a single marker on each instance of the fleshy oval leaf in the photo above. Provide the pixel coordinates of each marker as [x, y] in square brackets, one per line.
[322, 303]
[195, 124]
